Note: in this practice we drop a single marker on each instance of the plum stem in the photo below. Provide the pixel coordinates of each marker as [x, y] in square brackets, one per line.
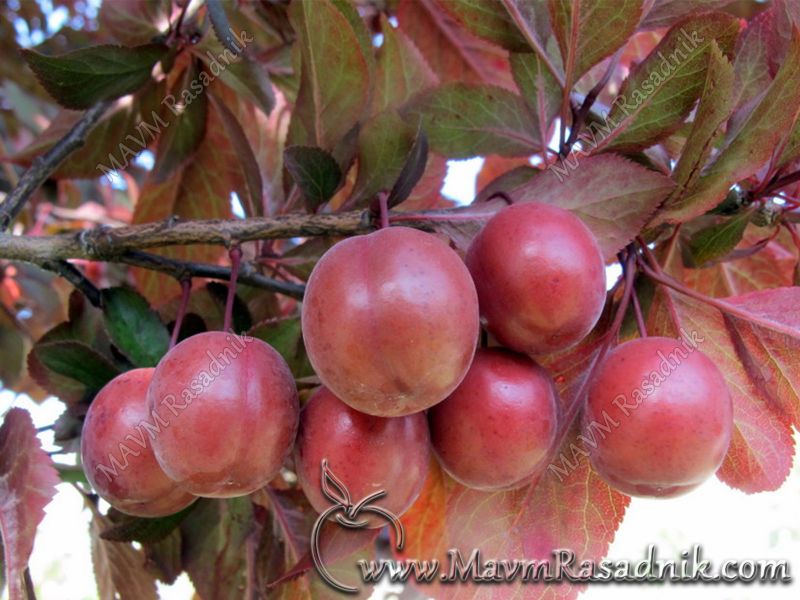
[235, 254]
[383, 203]
[186, 289]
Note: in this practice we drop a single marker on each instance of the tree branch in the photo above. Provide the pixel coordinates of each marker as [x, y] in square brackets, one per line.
[108, 244]
[76, 278]
[42, 166]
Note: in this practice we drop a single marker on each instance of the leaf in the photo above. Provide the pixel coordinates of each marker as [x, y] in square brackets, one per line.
[462, 224]
[286, 337]
[612, 195]
[118, 567]
[412, 172]
[70, 369]
[752, 146]
[401, 70]
[716, 105]
[760, 455]
[752, 58]
[146, 531]
[315, 172]
[540, 89]
[590, 30]
[665, 13]
[214, 538]
[487, 19]
[132, 22]
[134, 327]
[463, 120]
[718, 240]
[384, 144]
[250, 193]
[27, 484]
[84, 77]
[189, 120]
[335, 76]
[12, 351]
[662, 89]
[451, 51]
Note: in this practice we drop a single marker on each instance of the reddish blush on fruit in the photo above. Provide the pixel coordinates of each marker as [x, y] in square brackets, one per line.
[117, 450]
[390, 321]
[497, 429]
[669, 413]
[231, 408]
[540, 277]
[366, 453]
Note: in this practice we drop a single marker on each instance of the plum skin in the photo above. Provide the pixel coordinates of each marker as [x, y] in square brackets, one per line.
[365, 452]
[670, 437]
[230, 426]
[497, 429]
[135, 484]
[540, 277]
[390, 321]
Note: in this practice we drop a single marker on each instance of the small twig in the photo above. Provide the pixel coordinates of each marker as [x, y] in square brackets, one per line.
[42, 166]
[637, 309]
[179, 269]
[186, 290]
[236, 260]
[72, 274]
[780, 182]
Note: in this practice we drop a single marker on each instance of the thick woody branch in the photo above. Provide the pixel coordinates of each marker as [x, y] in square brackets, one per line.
[43, 166]
[108, 244]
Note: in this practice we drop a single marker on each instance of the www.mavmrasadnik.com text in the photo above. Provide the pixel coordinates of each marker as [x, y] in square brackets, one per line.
[565, 567]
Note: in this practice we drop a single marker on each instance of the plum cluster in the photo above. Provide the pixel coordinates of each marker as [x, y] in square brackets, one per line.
[391, 321]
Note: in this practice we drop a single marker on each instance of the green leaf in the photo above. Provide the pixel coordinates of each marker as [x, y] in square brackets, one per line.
[145, 531]
[384, 144]
[488, 19]
[719, 240]
[188, 105]
[413, 170]
[754, 144]
[335, 75]
[70, 363]
[463, 120]
[315, 172]
[401, 71]
[661, 90]
[134, 327]
[84, 77]
[540, 89]
[286, 337]
[590, 30]
[716, 105]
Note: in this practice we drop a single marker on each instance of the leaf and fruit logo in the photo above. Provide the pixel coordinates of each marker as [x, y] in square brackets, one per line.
[346, 513]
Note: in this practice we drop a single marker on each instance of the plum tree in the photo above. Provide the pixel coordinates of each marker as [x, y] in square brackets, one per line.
[231, 409]
[367, 453]
[540, 277]
[673, 417]
[496, 430]
[390, 321]
[125, 473]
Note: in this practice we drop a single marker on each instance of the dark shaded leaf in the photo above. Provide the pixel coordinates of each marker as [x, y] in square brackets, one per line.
[412, 172]
[134, 328]
[84, 77]
[315, 172]
[146, 531]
